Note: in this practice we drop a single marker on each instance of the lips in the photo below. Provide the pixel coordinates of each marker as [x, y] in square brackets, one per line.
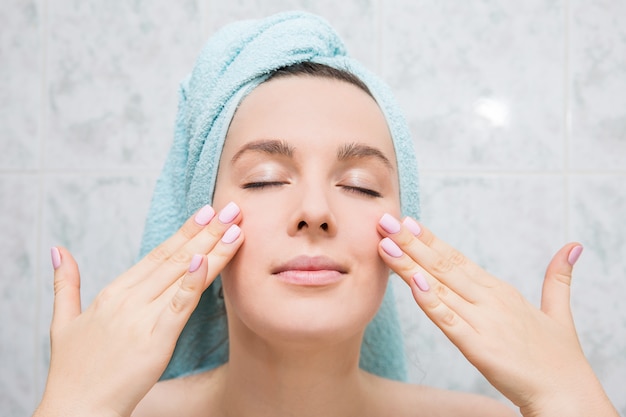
[310, 271]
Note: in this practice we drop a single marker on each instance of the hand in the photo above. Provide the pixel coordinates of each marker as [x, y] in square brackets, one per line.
[105, 359]
[531, 355]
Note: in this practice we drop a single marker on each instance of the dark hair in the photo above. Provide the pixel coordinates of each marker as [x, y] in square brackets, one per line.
[315, 69]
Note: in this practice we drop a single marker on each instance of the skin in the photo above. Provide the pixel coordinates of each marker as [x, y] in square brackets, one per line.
[294, 348]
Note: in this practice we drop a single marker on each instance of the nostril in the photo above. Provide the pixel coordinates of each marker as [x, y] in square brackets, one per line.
[301, 225]
[324, 227]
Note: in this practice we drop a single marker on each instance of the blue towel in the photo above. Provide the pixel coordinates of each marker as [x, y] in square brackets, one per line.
[234, 61]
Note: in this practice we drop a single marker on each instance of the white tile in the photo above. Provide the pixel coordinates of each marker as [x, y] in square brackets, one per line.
[597, 209]
[20, 84]
[598, 92]
[114, 69]
[481, 82]
[18, 296]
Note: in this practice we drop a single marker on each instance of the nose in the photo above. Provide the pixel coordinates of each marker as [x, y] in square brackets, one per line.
[313, 214]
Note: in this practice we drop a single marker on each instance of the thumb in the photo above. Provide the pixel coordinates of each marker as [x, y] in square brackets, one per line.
[555, 297]
[66, 288]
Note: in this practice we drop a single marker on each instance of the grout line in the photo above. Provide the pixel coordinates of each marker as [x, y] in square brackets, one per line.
[41, 132]
[379, 32]
[567, 120]
[496, 173]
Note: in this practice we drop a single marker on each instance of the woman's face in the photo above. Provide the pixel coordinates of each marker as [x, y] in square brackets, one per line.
[311, 164]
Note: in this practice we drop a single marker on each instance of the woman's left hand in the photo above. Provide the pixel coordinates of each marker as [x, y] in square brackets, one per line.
[531, 355]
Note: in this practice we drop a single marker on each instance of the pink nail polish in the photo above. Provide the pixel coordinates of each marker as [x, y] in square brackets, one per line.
[389, 223]
[228, 213]
[391, 248]
[195, 263]
[204, 215]
[231, 234]
[574, 254]
[412, 225]
[56, 257]
[421, 282]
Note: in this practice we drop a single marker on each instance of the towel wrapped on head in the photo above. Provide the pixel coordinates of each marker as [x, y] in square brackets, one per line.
[234, 61]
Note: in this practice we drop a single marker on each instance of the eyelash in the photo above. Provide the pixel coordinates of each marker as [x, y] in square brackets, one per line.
[358, 190]
[365, 191]
[261, 184]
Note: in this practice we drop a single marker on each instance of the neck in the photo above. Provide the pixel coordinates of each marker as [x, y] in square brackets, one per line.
[279, 379]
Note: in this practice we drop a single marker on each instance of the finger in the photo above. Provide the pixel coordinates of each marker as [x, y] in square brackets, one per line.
[454, 257]
[184, 298]
[66, 288]
[216, 261]
[221, 229]
[442, 307]
[165, 250]
[555, 297]
[401, 250]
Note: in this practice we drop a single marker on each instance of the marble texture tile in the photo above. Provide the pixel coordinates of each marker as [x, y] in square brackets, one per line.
[114, 69]
[356, 21]
[481, 82]
[597, 50]
[509, 225]
[18, 296]
[100, 220]
[597, 208]
[20, 84]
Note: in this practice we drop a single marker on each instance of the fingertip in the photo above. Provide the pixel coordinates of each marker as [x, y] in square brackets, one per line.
[195, 263]
[574, 254]
[412, 225]
[55, 254]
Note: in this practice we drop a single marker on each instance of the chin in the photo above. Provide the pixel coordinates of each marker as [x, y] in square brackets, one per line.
[303, 316]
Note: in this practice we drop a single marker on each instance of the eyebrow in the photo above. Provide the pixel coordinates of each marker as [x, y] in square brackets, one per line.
[349, 151]
[268, 146]
[358, 150]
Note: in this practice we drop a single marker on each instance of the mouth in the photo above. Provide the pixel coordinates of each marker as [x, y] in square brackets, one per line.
[310, 271]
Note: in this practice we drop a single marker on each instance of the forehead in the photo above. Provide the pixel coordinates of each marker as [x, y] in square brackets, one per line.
[314, 114]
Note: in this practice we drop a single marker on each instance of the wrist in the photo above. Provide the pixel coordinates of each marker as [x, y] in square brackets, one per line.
[583, 397]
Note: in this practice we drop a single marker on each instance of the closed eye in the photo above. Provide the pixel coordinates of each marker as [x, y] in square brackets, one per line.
[262, 184]
[361, 190]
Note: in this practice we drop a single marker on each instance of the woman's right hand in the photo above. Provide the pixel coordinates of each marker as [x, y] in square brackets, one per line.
[105, 359]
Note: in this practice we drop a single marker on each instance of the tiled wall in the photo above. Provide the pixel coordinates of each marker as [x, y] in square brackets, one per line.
[518, 111]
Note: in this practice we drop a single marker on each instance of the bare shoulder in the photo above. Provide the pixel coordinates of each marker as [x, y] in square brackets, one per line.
[421, 400]
[175, 397]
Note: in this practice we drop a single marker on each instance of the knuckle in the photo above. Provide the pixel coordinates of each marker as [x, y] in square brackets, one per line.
[449, 318]
[442, 265]
[180, 258]
[159, 254]
[563, 278]
[457, 258]
[182, 298]
[188, 231]
[442, 291]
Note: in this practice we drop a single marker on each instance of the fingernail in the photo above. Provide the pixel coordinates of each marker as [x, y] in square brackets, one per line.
[56, 257]
[228, 213]
[196, 261]
[205, 215]
[391, 248]
[412, 225]
[574, 254]
[389, 223]
[231, 234]
[421, 282]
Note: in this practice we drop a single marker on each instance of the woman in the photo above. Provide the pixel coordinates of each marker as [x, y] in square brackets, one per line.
[314, 161]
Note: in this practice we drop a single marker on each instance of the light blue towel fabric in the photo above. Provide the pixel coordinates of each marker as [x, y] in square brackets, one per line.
[234, 61]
